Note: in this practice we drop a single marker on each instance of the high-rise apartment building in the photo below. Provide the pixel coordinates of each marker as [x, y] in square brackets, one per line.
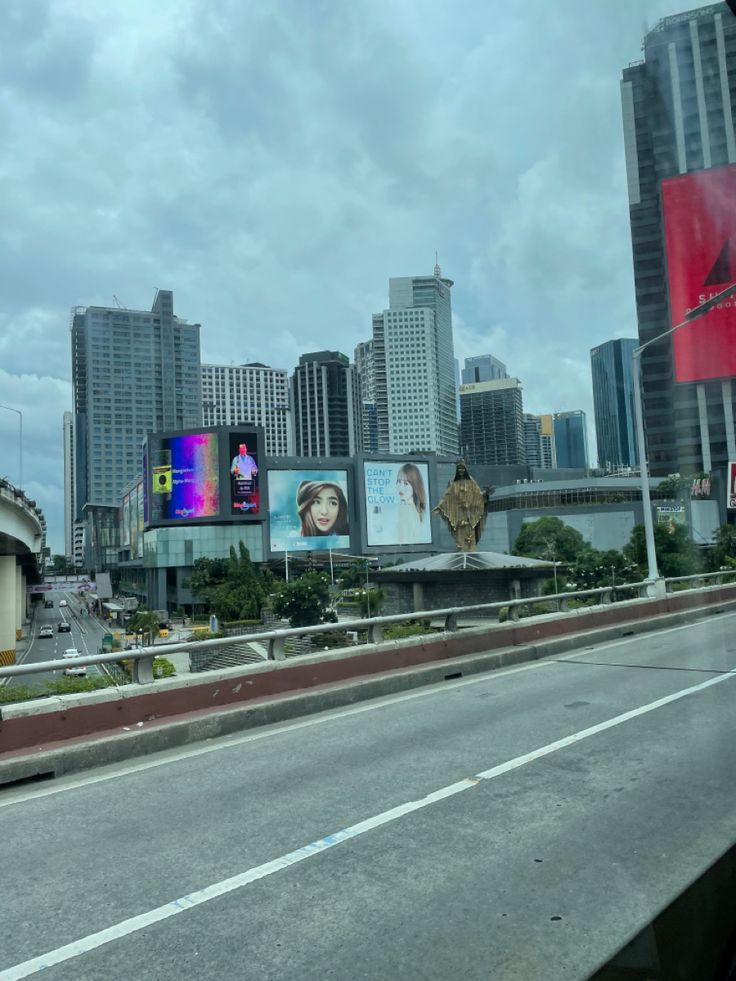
[73, 529]
[414, 367]
[539, 440]
[326, 407]
[571, 439]
[365, 370]
[678, 114]
[483, 368]
[492, 422]
[133, 372]
[252, 393]
[613, 403]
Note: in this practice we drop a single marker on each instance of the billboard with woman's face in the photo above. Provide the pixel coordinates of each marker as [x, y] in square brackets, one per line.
[397, 503]
[308, 510]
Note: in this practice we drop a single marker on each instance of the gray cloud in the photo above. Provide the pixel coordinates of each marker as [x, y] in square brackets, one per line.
[274, 164]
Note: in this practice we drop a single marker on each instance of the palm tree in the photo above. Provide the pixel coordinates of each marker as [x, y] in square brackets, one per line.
[145, 623]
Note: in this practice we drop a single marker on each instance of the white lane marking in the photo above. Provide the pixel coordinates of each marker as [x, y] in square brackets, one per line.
[135, 923]
[226, 742]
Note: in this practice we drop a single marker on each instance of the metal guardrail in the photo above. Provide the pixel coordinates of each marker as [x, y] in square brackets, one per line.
[142, 658]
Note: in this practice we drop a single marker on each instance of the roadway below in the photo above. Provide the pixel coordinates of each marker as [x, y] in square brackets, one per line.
[522, 824]
[85, 634]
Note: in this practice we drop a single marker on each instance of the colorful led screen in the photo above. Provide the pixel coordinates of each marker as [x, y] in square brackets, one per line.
[397, 503]
[243, 466]
[700, 241]
[184, 480]
[308, 510]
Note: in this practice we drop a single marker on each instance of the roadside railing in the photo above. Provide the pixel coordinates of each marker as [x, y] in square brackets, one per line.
[373, 628]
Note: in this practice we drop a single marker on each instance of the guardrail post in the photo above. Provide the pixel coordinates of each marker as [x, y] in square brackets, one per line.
[451, 622]
[719, 580]
[607, 596]
[277, 649]
[514, 612]
[375, 633]
[563, 605]
[143, 670]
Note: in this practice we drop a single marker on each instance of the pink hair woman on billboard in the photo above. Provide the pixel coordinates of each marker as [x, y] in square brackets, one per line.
[322, 508]
[412, 509]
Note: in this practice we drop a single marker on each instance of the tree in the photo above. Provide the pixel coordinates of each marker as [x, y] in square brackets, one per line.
[305, 601]
[550, 539]
[723, 553]
[593, 569]
[146, 623]
[677, 554]
[231, 588]
[61, 566]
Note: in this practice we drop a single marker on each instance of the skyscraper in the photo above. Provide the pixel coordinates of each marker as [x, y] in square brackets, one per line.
[678, 115]
[133, 372]
[251, 393]
[483, 368]
[325, 398]
[571, 439]
[539, 440]
[413, 367]
[613, 403]
[492, 422]
[366, 376]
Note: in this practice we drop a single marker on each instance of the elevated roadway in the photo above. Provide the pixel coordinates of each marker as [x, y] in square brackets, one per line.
[22, 531]
[523, 824]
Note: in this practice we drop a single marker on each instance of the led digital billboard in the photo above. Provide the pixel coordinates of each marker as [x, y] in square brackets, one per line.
[397, 503]
[243, 457]
[184, 477]
[308, 510]
[731, 487]
[700, 242]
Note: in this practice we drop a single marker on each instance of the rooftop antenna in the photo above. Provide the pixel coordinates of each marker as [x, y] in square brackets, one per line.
[118, 304]
[437, 270]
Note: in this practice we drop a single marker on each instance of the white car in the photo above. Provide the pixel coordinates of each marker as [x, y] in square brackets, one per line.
[46, 631]
[69, 655]
[63, 603]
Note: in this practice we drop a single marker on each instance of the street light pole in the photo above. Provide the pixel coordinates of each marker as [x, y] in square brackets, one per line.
[20, 442]
[652, 571]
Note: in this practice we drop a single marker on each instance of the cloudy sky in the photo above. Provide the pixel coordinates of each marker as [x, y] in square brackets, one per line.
[274, 163]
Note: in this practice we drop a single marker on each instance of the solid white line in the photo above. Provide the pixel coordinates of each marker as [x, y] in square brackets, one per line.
[135, 923]
[226, 742]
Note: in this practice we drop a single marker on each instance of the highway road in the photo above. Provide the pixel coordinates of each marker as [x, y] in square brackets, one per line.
[522, 825]
[85, 634]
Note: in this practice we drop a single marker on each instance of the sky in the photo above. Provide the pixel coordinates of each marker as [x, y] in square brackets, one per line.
[275, 163]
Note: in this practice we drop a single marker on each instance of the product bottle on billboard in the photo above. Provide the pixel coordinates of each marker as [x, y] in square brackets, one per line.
[161, 483]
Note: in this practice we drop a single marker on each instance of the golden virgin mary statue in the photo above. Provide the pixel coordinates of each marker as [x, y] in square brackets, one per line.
[463, 507]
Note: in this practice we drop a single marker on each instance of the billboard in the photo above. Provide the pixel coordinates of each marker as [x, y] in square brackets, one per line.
[731, 487]
[184, 477]
[700, 243]
[243, 469]
[397, 503]
[671, 515]
[308, 510]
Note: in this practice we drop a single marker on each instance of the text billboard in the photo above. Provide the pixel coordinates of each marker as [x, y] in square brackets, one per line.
[243, 457]
[184, 477]
[731, 487]
[397, 503]
[700, 242]
[308, 510]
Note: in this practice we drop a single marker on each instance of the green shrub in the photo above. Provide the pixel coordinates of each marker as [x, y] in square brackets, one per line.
[19, 693]
[163, 668]
[407, 630]
[233, 624]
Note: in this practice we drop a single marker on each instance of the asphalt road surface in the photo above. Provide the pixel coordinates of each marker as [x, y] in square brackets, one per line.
[523, 824]
[85, 634]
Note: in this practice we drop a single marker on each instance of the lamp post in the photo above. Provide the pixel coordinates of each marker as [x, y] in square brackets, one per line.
[657, 583]
[20, 442]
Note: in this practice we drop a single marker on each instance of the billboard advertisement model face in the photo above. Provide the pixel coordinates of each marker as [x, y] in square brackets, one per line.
[184, 479]
[397, 503]
[244, 493]
[308, 510]
[700, 240]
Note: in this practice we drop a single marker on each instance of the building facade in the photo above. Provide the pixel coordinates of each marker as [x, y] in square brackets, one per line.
[364, 367]
[414, 375]
[613, 403]
[539, 440]
[482, 369]
[492, 423]
[571, 440]
[678, 115]
[133, 372]
[249, 393]
[326, 406]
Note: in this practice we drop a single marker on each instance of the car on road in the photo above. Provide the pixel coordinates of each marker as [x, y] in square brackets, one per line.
[48, 604]
[47, 631]
[69, 668]
[63, 603]
[64, 626]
